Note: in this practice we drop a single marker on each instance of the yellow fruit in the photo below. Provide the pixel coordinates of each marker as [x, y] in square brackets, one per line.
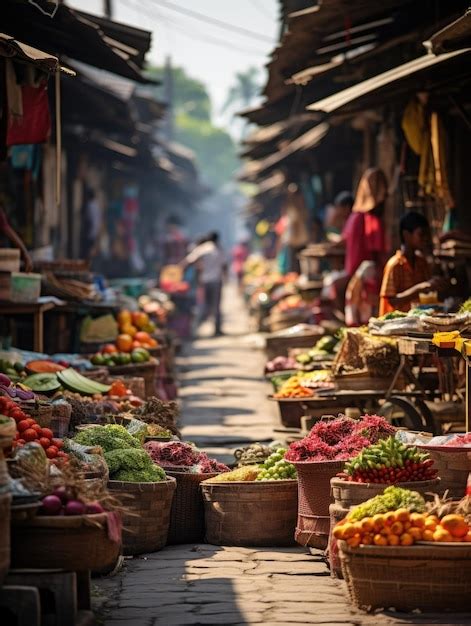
[440, 534]
[407, 525]
[431, 523]
[367, 539]
[348, 530]
[378, 521]
[397, 528]
[338, 531]
[402, 515]
[380, 540]
[406, 539]
[417, 519]
[386, 531]
[416, 533]
[389, 518]
[354, 541]
[455, 525]
[427, 534]
[393, 540]
[367, 525]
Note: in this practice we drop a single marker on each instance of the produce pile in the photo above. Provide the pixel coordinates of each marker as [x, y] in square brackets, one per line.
[14, 390]
[176, 454]
[324, 348]
[339, 439]
[399, 518]
[253, 454]
[460, 441]
[276, 467]
[111, 357]
[27, 430]
[156, 411]
[293, 388]
[279, 364]
[123, 453]
[389, 461]
[247, 473]
[63, 501]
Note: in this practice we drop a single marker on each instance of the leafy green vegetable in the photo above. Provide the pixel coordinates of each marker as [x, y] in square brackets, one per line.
[392, 499]
[466, 306]
[133, 465]
[109, 437]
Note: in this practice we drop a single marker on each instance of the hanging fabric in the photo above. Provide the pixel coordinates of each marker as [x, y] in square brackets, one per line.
[35, 124]
[14, 92]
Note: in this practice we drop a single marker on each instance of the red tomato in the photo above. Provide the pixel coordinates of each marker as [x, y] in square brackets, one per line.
[31, 421]
[23, 425]
[62, 454]
[38, 429]
[47, 432]
[45, 442]
[29, 434]
[21, 442]
[58, 443]
[51, 452]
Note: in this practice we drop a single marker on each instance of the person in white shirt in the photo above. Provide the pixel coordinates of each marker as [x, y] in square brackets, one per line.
[211, 264]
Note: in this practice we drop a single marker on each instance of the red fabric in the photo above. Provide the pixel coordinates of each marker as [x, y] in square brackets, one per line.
[35, 125]
[281, 225]
[364, 238]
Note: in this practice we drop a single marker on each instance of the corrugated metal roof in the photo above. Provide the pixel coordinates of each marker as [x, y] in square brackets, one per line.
[11, 47]
[341, 99]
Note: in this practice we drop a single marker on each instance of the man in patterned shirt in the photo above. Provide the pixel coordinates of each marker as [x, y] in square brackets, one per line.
[407, 273]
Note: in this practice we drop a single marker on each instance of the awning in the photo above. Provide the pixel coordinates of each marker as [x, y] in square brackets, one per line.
[308, 140]
[268, 133]
[11, 47]
[411, 70]
[454, 36]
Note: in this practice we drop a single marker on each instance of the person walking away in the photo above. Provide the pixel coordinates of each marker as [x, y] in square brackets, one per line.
[211, 264]
[240, 252]
[407, 274]
[15, 239]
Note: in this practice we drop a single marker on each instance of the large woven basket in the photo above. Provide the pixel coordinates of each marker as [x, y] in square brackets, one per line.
[453, 467]
[250, 513]
[147, 371]
[337, 514]
[75, 543]
[425, 577]
[145, 527]
[5, 501]
[41, 412]
[347, 494]
[314, 499]
[187, 513]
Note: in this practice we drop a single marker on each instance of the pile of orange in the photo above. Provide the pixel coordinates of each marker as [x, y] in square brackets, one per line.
[135, 331]
[402, 528]
[293, 388]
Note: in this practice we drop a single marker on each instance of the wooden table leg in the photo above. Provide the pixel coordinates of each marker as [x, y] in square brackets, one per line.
[38, 340]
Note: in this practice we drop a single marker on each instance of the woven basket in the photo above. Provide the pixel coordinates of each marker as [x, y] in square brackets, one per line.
[453, 468]
[250, 513]
[42, 413]
[337, 514]
[424, 577]
[75, 543]
[135, 384]
[187, 513]
[60, 421]
[314, 499]
[145, 528]
[347, 494]
[5, 501]
[147, 371]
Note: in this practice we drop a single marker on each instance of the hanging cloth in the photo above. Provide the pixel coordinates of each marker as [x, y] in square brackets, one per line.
[14, 92]
[439, 160]
[35, 125]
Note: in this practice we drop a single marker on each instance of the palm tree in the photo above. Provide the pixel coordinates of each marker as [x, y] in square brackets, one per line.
[244, 90]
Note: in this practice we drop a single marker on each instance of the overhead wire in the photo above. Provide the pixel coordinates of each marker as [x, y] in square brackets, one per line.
[151, 12]
[207, 19]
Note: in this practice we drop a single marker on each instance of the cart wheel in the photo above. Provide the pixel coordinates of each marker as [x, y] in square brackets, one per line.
[401, 412]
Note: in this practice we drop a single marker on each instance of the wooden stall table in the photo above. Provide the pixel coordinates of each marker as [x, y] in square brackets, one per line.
[36, 310]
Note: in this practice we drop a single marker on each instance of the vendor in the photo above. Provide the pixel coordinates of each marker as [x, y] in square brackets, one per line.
[407, 273]
[7, 231]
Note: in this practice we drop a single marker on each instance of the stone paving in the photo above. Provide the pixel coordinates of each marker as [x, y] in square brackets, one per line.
[224, 406]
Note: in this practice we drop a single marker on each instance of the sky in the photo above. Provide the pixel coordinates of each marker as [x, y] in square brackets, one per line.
[186, 40]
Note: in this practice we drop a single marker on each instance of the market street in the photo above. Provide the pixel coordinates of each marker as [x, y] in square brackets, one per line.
[223, 395]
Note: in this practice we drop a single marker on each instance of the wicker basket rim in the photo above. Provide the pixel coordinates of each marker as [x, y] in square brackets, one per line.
[338, 482]
[445, 449]
[72, 521]
[264, 483]
[317, 463]
[129, 484]
[457, 550]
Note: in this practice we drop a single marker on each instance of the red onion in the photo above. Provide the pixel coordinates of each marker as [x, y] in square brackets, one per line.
[51, 505]
[61, 493]
[95, 507]
[75, 507]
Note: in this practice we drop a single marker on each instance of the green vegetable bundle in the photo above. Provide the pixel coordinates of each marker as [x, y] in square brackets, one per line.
[133, 466]
[109, 437]
[392, 499]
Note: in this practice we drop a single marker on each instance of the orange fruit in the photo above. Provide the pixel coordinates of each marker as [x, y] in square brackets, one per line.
[129, 329]
[354, 541]
[440, 534]
[367, 525]
[386, 531]
[389, 518]
[367, 539]
[427, 534]
[110, 348]
[348, 530]
[338, 531]
[431, 523]
[153, 343]
[467, 537]
[406, 539]
[402, 515]
[417, 519]
[142, 337]
[140, 319]
[136, 344]
[416, 533]
[397, 528]
[455, 525]
[380, 540]
[407, 525]
[124, 343]
[378, 522]
[124, 317]
[393, 540]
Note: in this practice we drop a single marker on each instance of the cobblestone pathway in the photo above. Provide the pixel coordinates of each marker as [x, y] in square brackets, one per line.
[225, 405]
